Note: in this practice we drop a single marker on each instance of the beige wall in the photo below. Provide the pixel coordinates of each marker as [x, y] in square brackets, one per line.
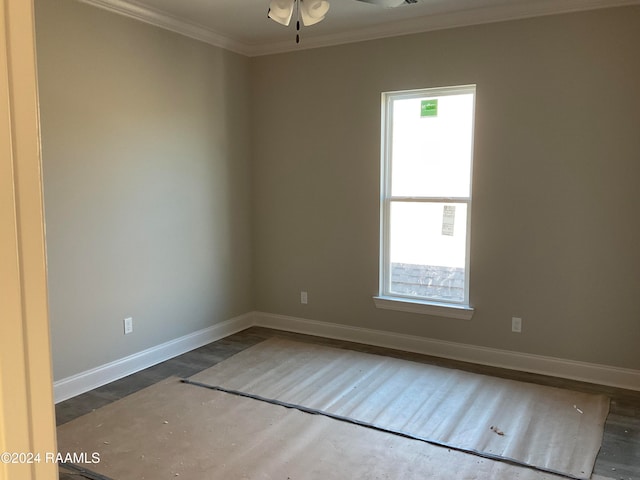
[155, 144]
[146, 180]
[555, 232]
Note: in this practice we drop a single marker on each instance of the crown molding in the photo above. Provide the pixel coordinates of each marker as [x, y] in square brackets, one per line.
[167, 21]
[429, 23]
[421, 24]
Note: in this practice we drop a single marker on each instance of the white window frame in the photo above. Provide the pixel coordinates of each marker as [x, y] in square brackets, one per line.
[393, 301]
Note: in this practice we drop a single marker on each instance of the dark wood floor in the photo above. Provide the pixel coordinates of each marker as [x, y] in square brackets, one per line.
[619, 457]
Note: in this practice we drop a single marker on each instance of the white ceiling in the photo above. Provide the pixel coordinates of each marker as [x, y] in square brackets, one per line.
[243, 26]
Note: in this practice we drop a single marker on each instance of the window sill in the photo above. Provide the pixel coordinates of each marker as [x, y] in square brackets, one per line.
[450, 310]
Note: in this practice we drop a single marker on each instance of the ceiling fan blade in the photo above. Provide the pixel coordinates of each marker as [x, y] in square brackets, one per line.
[387, 3]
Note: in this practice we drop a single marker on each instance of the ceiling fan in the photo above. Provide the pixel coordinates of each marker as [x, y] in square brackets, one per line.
[311, 12]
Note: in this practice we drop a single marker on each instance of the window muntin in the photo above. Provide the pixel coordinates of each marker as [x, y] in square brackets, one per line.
[426, 194]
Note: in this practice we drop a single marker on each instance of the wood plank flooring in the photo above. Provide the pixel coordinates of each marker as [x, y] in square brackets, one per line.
[619, 457]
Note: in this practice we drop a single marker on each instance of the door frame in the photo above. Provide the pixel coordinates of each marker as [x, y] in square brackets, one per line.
[27, 414]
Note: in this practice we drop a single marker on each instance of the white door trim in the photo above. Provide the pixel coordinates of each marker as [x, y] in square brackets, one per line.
[27, 420]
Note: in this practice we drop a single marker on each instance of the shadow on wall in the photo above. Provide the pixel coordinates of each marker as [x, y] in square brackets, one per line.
[146, 179]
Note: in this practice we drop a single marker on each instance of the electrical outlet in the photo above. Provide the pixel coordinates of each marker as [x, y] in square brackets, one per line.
[303, 298]
[128, 325]
[516, 324]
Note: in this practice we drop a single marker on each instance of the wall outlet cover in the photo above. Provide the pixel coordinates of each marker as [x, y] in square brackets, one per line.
[128, 325]
[516, 324]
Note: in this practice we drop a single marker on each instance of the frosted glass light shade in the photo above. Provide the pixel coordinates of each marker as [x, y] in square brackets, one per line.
[313, 11]
[281, 11]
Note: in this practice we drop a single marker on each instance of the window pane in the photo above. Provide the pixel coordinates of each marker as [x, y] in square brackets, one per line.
[431, 147]
[427, 250]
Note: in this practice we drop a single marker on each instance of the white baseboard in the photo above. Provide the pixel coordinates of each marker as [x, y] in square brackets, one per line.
[96, 377]
[556, 367]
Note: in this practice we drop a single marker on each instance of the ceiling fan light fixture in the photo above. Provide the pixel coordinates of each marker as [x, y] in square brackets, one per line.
[308, 12]
[281, 11]
[313, 11]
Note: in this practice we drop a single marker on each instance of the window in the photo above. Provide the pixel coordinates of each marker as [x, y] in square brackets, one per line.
[427, 150]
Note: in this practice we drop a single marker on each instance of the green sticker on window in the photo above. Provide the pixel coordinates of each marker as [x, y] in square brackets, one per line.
[429, 108]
